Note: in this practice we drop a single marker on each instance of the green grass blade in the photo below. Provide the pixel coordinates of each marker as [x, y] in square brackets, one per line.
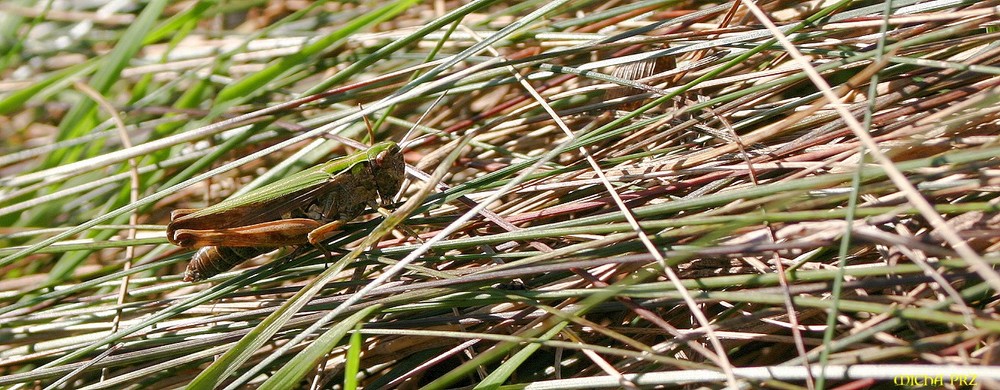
[299, 366]
[243, 89]
[80, 119]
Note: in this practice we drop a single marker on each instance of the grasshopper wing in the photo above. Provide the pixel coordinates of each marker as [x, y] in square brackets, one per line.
[267, 203]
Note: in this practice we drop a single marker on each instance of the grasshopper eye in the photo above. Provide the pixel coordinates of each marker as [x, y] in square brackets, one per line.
[382, 156]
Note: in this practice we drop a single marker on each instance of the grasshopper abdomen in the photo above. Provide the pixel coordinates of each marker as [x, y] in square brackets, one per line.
[213, 260]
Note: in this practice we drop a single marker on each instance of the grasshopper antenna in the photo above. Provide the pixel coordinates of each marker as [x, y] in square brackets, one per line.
[416, 141]
[368, 125]
[407, 143]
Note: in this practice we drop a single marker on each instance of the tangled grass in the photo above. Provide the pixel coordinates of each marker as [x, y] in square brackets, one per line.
[600, 194]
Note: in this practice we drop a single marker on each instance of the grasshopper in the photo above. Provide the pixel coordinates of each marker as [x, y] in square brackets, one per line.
[305, 208]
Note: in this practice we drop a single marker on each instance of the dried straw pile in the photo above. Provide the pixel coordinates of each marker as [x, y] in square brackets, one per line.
[700, 193]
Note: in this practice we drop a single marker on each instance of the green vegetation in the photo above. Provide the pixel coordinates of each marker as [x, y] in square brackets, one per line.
[616, 194]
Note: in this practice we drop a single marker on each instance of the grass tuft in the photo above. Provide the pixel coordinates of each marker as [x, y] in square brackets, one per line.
[597, 194]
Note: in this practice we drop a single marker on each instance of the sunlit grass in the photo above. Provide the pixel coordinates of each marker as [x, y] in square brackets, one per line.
[790, 244]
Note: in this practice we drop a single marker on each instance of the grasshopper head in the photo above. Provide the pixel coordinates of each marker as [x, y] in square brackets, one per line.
[389, 169]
